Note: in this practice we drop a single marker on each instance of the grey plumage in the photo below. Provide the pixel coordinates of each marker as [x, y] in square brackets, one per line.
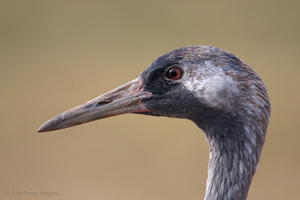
[211, 87]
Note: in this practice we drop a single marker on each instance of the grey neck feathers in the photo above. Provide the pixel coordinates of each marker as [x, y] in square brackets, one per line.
[234, 156]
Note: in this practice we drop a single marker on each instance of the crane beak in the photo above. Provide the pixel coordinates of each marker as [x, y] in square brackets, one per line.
[124, 99]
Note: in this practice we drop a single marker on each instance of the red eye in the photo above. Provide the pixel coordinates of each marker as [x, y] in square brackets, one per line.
[174, 73]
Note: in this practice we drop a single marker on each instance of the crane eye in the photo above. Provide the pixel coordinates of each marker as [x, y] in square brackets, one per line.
[173, 73]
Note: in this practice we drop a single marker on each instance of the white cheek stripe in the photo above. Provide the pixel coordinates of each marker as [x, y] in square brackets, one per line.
[212, 85]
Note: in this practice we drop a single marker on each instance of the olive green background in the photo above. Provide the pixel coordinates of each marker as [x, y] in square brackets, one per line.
[55, 55]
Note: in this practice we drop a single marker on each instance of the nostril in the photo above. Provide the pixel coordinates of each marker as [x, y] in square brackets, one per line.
[106, 101]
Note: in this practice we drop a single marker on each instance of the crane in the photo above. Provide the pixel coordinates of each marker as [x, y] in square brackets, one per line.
[213, 88]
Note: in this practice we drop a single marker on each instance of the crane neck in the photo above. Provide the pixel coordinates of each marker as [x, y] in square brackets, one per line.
[233, 160]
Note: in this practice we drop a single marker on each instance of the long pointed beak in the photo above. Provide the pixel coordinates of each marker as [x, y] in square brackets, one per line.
[124, 99]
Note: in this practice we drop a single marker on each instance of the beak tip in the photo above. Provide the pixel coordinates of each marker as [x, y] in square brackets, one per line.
[43, 128]
[39, 130]
[48, 126]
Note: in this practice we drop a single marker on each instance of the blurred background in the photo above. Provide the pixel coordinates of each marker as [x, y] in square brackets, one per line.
[55, 55]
